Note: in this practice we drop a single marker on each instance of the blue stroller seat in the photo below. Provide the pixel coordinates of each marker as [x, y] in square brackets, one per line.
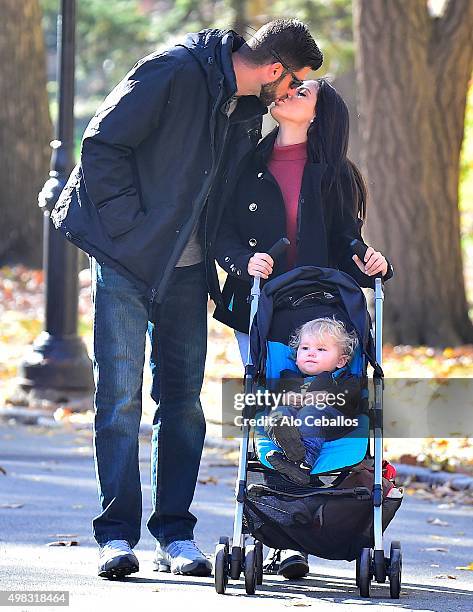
[337, 454]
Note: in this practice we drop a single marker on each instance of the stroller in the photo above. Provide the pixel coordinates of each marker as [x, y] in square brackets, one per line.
[344, 511]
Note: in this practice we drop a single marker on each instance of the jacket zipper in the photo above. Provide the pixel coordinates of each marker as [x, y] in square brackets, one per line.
[206, 200]
[298, 220]
[155, 291]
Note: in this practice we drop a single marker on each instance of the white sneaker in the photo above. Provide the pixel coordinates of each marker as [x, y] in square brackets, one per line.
[117, 559]
[182, 557]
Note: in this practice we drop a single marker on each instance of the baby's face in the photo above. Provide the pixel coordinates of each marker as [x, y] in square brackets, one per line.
[316, 356]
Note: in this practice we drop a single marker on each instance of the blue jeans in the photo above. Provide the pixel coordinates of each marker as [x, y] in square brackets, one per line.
[179, 343]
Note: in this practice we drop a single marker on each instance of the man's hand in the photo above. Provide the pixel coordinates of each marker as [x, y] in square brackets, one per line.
[374, 263]
[261, 264]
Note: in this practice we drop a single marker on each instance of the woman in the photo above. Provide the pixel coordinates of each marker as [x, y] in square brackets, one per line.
[299, 184]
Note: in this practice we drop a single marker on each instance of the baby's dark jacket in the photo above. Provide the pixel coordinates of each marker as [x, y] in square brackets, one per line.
[344, 382]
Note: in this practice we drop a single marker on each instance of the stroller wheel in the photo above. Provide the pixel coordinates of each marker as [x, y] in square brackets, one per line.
[250, 569]
[259, 562]
[395, 570]
[236, 557]
[221, 568]
[364, 574]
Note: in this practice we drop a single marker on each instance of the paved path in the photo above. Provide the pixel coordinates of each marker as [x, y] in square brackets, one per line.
[51, 474]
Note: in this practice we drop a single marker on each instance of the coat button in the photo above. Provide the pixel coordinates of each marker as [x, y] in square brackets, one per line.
[253, 206]
[227, 258]
[252, 242]
[238, 272]
[260, 175]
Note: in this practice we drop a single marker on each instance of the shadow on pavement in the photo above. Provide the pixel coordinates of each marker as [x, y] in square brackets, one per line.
[324, 586]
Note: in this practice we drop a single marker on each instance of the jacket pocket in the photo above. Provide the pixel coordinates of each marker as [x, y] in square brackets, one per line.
[120, 215]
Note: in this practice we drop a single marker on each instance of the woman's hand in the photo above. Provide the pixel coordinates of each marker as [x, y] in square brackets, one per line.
[374, 263]
[261, 264]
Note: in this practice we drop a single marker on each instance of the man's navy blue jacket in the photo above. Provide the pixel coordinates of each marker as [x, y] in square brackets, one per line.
[159, 150]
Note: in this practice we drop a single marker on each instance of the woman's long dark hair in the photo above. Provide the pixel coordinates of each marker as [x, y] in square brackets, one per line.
[327, 142]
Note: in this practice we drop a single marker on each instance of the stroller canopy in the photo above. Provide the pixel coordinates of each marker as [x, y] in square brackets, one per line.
[326, 292]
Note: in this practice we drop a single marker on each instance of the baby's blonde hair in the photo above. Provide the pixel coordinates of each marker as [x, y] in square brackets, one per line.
[322, 327]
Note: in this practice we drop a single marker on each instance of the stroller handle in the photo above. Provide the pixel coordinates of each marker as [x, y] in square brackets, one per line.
[359, 248]
[279, 247]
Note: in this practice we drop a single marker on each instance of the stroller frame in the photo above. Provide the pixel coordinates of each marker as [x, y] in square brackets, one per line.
[372, 562]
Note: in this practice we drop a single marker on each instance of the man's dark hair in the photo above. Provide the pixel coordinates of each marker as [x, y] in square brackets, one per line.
[290, 39]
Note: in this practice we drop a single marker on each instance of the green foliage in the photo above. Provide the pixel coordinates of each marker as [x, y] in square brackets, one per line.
[330, 22]
[113, 35]
[110, 37]
[466, 163]
[177, 18]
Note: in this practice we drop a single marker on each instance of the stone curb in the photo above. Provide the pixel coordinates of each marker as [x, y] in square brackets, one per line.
[44, 418]
[410, 473]
[405, 473]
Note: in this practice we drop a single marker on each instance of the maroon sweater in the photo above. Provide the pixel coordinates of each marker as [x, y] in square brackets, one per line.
[286, 164]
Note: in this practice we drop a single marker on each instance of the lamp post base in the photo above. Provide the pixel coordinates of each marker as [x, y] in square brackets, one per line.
[56, 368]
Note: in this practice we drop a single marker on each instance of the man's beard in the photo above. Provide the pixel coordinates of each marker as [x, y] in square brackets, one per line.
[268, 91]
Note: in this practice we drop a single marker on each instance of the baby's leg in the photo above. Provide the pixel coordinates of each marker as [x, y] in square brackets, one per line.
[285, 435]
[313, 435]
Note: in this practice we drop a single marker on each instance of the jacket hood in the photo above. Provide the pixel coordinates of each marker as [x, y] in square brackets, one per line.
[215, 46]
[213, 50]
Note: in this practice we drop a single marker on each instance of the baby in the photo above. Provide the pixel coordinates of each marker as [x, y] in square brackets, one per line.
[323, 347]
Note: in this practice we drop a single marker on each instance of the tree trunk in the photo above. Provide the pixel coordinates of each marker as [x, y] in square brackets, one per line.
[413, 73]
[25, 131]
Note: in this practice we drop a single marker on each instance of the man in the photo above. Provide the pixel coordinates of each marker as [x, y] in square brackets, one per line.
[157, 161]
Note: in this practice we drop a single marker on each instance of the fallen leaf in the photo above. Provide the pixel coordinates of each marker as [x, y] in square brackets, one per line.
[468, 567]
[3, 471]
[208, 480]
[436, 549]
[438, 522]
[63, 543]
[11, 505]
[446, 576]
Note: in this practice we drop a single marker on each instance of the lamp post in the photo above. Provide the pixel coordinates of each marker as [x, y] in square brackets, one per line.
[57, 365]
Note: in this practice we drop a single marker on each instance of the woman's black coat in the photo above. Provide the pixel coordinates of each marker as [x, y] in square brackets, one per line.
[255, 219]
